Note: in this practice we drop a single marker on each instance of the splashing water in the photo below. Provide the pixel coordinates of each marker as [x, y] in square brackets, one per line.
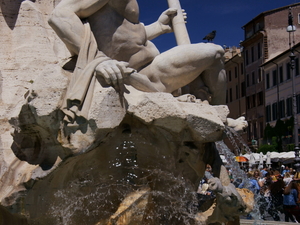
[90, 188]
[237, 172]
[236, 139]
[175, 205]
[174, 201]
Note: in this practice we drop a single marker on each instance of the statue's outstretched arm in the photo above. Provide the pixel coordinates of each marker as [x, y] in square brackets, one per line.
[162, 25]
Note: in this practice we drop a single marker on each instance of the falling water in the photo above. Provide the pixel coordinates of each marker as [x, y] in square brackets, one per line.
[238, 173]
[95, 198]
[236, 139]
[223, 149]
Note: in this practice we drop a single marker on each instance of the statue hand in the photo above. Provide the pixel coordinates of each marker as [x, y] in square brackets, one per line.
[165, 19]
[113, 72]
[184, 15]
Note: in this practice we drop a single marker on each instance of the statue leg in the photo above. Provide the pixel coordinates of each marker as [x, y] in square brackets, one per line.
[182, 64]
[211, 84]
[215, 80]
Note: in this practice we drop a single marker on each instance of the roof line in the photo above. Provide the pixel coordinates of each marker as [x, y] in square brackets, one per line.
[272, 11]
[281, 54]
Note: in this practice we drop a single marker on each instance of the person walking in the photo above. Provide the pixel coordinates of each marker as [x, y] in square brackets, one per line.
[276, 194]
[286, 169]
[287, 178]
[290, 199]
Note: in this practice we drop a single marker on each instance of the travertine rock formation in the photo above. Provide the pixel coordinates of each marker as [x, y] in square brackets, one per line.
[29, 63]
[126, 142]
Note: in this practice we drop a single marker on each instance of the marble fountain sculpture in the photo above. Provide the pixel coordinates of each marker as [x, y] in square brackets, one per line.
[98, 127]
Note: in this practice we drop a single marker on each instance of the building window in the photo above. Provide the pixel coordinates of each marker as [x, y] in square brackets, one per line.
[252, 54]
[247, 80]
[259, 75]
[247, 57]
[254, 130]
[289, 107]
[280, 74]
[243, 88]
[248, 103]
[242, 68]
[298, 103]
[253, 78]
[229, 75]
[249, 31]
[268, 113]
[267, 81]
[260, 98]
[288, 71]
[253, 100]
[261, 129]
[249, 131]
[258, 51]
[236, 92]
[274, 111]
[235, 72]
[230, 95]
[281, 109]
[226, 96]
[297, 66]
[257, 27]
[274, 76]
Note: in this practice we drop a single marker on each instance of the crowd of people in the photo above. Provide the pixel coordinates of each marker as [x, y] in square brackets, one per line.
[277, 193]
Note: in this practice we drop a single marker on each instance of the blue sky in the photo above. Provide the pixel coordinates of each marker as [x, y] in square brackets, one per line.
[226, 17]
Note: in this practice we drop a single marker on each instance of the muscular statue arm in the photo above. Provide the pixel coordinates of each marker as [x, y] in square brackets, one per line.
[162, 25]
[66, 20]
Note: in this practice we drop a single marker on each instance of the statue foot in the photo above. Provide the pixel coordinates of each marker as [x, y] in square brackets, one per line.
[186, 98]
[238, 124]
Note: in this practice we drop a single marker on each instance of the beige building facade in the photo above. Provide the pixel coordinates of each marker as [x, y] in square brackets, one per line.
[265, 38]
[235, 96]
[278, 82]
[236, 91]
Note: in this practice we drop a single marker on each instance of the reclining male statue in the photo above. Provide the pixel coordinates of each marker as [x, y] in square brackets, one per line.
[112, 43]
